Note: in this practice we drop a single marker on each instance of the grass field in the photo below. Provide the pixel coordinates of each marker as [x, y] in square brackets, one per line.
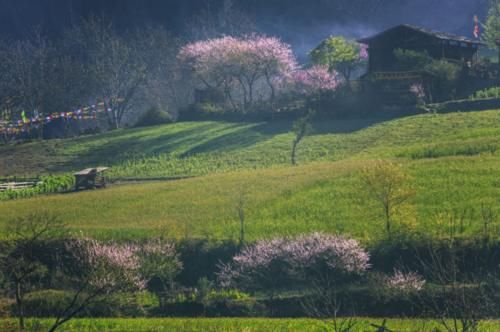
[198, 148]
[453, 161]
[239, 325]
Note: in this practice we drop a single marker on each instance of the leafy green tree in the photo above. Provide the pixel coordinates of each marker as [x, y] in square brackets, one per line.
[446, 78]
[411, 60]
[338, 53]
[492, 25]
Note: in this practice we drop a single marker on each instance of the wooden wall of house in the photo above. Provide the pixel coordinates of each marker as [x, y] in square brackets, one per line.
[381, 49]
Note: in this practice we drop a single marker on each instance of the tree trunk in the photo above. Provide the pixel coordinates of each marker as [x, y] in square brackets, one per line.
[388, 220]
[271, 86]
[250, 93]
[294, 151]
[19, 305]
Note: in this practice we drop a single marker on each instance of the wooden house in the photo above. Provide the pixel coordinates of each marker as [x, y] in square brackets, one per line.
[392, 83]
[438, 45]
[90, 178]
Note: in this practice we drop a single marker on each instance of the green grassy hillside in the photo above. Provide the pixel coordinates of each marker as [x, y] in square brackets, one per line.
[452, 159]
[198, 148]
[241, 325]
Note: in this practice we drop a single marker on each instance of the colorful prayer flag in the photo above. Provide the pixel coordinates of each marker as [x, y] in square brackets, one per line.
[477, 31]
[23, 116]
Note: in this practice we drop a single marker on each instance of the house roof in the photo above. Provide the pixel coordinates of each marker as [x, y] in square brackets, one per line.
[436, 34]
[88, 171]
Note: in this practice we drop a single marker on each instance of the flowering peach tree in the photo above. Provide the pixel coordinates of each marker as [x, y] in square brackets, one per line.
[408, 282]
[313, 80]
[237, 65]
[99, 269]
[268, 264]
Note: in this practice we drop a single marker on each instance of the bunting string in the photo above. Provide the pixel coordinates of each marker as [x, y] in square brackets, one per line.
[26, 123]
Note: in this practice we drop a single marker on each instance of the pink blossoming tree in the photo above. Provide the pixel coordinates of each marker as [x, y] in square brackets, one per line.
[312, 81]
[405, 282]
[237, 65]
[99, 269]
[267, 262]
[262, 265]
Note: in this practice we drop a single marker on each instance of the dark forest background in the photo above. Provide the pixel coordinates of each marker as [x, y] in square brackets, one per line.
[301, 23]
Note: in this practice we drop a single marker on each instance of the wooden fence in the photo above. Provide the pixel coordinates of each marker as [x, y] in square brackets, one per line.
[17, 185]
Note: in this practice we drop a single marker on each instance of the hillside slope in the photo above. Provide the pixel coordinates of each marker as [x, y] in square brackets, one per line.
[197, 148]
[453, 161]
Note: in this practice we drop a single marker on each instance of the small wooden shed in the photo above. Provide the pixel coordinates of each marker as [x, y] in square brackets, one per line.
[90, 178]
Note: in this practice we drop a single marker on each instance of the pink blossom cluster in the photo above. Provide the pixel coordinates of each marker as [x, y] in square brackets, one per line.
[159, 247]
[304, 252]
[363, 52]
[108, 265]
[250, 52]
[313, 80]
[405, 282]
[117, 255]
[336, 251]
[239, 63]
[253, 261]
[418, 90]
[208, 57]
[271, 54]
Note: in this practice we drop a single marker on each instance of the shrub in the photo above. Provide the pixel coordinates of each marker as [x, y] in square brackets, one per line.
[489, 93]
[154, 116]
[411, 60]
[159, 264]
[5, 307]
[210, 108]
[50, 303]
[200, 258]
[230, 303]
[446, 75]
[47, 184]
[47, 303]
[226, 303]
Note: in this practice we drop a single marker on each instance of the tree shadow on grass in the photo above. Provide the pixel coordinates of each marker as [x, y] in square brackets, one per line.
[204, 138]
[249, 135]
[119, 149]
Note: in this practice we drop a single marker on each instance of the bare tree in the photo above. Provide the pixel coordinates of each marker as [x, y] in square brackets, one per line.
[115, 65]
[464, 298]
[20, 262]
[240, 209]
[97, 269]
[323, 302]
[35, 77]
[300, 128]
[165, 87]
[388, 185]
[217, 20]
